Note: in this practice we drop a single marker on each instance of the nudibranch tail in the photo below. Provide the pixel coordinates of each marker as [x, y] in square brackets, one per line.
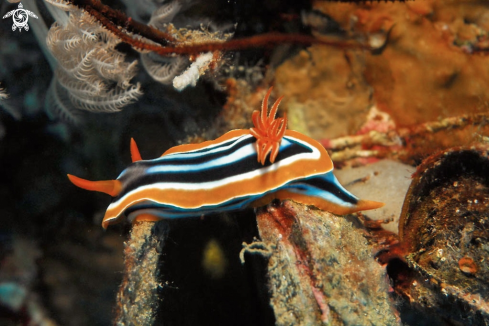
[326, 193]
[135, 155]
[110, 187]
[366, 205]
[337, 207]
[268, 131]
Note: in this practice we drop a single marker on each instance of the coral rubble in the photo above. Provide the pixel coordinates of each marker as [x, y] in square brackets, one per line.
[321, 269]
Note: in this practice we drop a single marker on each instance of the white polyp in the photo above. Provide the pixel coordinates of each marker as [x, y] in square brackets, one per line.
[192, 74]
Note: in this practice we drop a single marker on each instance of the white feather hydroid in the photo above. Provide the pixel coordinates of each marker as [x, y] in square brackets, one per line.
[92, 72]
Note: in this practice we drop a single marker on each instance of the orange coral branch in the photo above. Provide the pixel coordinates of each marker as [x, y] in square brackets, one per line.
[113, 18]
[263, 40]
[393, 143]
[119, 24]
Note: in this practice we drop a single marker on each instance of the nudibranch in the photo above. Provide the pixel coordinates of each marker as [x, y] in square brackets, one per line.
[226, 174]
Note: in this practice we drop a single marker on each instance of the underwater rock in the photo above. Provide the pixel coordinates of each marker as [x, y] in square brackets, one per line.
[444, 236]
[137, 298]
[321, 269]
[425, 64]
[431, 59]
[326, 94]
[387, 181]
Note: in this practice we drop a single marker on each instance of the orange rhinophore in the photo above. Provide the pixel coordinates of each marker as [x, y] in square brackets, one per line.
[110, 187]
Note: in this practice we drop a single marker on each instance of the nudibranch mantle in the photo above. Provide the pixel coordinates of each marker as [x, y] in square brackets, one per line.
[225, 175]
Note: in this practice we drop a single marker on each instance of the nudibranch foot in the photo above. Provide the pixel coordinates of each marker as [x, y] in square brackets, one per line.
[146, 218]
